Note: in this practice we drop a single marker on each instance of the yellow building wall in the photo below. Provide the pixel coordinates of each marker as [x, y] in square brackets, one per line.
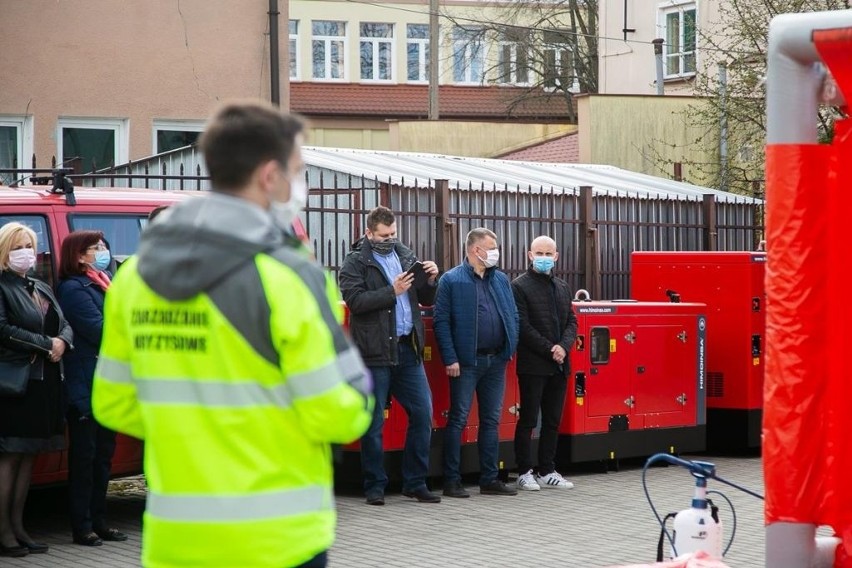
[645, 134]
[456, 138]
[475, 139]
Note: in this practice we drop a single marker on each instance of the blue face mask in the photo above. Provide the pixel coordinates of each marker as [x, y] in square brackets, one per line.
[543, 264]
[102, 259]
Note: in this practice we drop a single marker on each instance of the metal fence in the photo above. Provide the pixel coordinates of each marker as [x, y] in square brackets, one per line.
[595, 230]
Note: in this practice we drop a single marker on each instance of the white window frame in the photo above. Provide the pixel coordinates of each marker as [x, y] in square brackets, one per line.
[514, 47]
[422, 55]
[295, 71]
[173, 124]
[328, 40]
[557, 48]
[663, 11]
[121, 127]
[375, 44]
[23, 139]
[466, 46]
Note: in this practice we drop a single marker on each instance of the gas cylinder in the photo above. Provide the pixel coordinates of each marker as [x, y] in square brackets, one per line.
[695, 528]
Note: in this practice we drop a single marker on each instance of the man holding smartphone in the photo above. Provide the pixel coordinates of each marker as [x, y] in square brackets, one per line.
[383, 285]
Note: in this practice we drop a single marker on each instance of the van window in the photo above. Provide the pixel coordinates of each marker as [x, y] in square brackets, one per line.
[121, 231]
[44, 264]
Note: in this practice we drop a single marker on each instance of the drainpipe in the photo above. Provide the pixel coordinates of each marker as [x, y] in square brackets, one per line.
[658, 58]
[275, 87]
[795, 78]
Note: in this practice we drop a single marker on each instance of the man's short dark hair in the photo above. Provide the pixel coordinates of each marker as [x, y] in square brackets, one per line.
[476, 236]
[241, 136]
[380, 216]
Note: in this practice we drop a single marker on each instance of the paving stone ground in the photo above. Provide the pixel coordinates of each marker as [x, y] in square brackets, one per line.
[605, 520]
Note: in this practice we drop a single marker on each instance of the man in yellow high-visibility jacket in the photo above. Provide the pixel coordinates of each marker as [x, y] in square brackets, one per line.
[223, 351]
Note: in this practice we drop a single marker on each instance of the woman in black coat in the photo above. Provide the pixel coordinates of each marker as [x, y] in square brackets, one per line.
[32, 330]
[83, 282]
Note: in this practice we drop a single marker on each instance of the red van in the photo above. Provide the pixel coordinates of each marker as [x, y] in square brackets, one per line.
[120, 214]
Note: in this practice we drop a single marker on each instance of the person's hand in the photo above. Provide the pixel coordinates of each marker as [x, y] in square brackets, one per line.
[558, 353]
[431, 269]
[57, 349]
[453, 370]
[402, 283]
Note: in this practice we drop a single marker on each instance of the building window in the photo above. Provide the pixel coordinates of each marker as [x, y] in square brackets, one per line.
[294, 49]
[513, 57]
[174, 134]
[558, 61]
[16, 145]
[679, 31]
[91, 144]
[376, 52]
[327, 49]
[417, 46]
[468, 54]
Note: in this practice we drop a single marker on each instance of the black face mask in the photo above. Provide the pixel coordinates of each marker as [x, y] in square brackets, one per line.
[383, 247]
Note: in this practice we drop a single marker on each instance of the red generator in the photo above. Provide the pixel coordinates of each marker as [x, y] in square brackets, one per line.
[348, 466]
[731, 284]
[637, 381]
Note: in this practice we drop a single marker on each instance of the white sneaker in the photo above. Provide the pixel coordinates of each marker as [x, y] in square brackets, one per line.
[527, 482]
[553, 479]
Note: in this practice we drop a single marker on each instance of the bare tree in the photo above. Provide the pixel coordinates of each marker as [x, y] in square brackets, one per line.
[730, 110]
[549, 48]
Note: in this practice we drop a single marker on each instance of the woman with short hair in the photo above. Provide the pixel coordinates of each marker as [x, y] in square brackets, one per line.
[33, 334]
[83, 282]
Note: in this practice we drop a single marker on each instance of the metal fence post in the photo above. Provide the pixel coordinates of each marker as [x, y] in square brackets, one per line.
[444, 229]
[710, 228]
[588, 253]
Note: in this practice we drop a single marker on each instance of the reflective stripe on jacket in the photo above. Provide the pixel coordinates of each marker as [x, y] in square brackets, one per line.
[237, 392]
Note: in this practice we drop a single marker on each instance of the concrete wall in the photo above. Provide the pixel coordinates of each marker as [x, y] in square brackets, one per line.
[643, 134]
[477, 139]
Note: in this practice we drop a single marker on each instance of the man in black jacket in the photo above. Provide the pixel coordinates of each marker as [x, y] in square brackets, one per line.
[548, 328]
[384, 320]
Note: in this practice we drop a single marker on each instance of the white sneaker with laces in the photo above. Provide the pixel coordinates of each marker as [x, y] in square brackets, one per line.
[553, 479]
[527, 482]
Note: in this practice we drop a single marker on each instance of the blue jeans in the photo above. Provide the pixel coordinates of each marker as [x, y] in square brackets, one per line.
[488, 380]
[407, 383]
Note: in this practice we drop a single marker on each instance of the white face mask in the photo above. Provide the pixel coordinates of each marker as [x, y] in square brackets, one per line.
[22, 260]
[284, 212]
[492, 257]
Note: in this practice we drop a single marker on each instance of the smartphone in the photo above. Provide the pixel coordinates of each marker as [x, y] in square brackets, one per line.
[419, 273]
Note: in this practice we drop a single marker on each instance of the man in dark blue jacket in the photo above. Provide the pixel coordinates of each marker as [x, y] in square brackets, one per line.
[476, 326]
[384, 320]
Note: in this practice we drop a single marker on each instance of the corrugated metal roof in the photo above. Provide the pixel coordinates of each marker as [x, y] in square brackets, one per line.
[417, 169]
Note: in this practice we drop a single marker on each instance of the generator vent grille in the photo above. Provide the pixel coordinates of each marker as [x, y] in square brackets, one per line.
[715, 384]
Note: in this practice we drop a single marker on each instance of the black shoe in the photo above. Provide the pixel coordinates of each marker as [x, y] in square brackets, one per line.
[497, 487]
[34, 547]
[112, 535]
[13, 551]
[375, 499]
[90, 539]
[423, 495]
[455, 489]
